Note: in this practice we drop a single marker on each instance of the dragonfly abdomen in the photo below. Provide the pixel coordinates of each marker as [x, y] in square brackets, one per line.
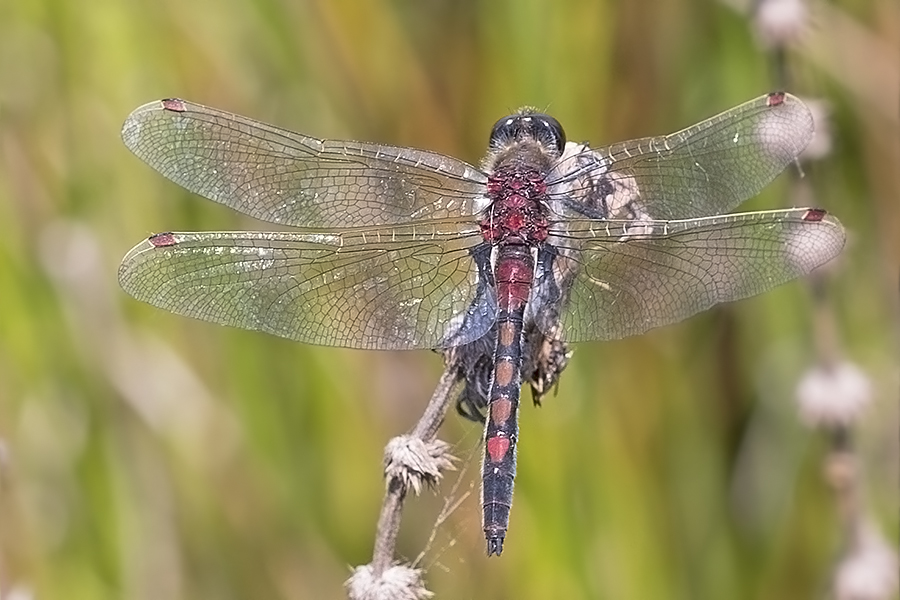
[514, 273]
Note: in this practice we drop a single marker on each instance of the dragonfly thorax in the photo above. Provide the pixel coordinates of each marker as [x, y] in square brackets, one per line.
[518, 209]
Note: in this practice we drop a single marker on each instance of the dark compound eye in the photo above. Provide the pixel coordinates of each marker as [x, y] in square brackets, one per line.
[548, 130]
[536, 126]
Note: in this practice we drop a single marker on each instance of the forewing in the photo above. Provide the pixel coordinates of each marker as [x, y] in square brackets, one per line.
[285, 177]
[704, 170]
[392, 288]
[620, 278]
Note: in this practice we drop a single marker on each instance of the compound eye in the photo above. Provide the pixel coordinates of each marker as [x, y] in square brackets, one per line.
[548, 130]
[536, 126]
[504, 130]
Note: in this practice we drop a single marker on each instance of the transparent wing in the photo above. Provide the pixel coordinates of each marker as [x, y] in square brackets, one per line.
[620, 278]
[704, 170]
[392, 288]
[284, 177]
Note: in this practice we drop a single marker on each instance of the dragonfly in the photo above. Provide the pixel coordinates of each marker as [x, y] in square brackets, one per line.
[547, 241]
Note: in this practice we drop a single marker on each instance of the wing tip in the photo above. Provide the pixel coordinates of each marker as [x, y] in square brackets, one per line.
[812, 252]
[134, 256]
[786, 126]
[131, 126]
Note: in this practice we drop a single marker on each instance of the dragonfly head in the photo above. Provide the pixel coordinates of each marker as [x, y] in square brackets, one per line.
[528, 124]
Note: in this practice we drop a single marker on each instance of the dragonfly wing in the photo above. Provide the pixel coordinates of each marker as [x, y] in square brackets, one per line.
[392, 288]
[284, 177]
[704, 170]
[626, 277]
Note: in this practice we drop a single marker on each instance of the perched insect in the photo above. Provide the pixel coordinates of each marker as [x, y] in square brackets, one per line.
[549, 242]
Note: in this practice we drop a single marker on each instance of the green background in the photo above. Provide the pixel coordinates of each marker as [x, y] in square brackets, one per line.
[144, 455]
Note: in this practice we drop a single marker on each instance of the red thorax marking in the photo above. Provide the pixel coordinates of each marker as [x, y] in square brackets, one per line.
[516, 213]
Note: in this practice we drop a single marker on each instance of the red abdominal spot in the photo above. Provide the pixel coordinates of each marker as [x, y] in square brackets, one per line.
[513, 271]
[497, 448]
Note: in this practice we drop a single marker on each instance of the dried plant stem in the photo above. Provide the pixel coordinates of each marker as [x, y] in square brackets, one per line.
[392, 506]
[412, 461]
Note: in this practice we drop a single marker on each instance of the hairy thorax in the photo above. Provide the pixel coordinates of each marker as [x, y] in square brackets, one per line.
[517, 190]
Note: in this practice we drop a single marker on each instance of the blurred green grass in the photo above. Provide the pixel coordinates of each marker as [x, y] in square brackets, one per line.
[145, 455]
